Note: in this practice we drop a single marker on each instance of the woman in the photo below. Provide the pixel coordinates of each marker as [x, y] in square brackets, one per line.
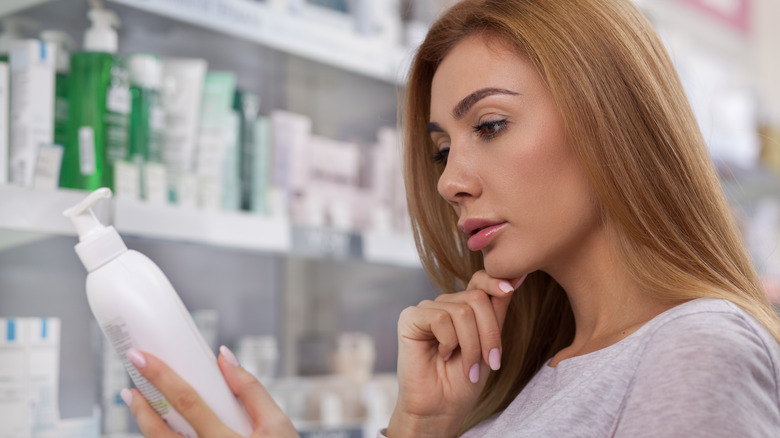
[563, 198]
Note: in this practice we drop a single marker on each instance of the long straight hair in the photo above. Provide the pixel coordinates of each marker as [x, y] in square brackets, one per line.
[630, 125]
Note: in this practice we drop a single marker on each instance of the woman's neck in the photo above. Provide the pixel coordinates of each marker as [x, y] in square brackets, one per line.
[607, 304]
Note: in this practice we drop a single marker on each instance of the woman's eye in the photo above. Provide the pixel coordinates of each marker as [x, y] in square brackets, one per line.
[441, 155]
[491, 128]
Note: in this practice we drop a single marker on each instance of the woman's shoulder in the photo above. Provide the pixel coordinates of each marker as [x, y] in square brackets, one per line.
[711, 324]
[715, 335]
[706, 363]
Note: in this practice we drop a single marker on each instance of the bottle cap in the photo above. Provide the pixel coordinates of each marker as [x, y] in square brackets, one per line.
[101, 36]
[98, 244]
[145, 71]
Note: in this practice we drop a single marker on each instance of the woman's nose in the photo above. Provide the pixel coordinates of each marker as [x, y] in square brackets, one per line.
[459, 180]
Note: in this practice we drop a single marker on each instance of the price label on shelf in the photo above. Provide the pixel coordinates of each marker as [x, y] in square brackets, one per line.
[324, 242]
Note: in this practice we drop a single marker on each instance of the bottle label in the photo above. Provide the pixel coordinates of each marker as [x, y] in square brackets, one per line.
[118, 336]
[118, 100]
[86, 150]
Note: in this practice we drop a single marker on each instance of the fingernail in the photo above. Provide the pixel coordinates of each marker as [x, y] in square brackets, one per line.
[474, 373]
[495, 359]
[505, 286]
[447, 356]
[127, 396]
[229, 356]
[136, 358]
[520, 281]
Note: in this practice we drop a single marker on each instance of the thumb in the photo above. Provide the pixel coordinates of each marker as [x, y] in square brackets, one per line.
[266, 415]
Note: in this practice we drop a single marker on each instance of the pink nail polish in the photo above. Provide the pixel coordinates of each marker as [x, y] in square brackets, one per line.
[520, 281]
[127, 396]
[495, 359]
[229, 356]
[136, 358]
[474, 373]
[505, 287]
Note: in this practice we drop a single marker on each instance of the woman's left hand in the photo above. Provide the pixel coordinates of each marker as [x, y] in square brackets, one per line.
[268, 420]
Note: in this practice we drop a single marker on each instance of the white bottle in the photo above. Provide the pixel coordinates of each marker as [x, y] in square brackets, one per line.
[136, 307]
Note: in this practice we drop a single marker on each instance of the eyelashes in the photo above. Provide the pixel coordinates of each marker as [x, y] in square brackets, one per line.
[441, 155]
[487, 131]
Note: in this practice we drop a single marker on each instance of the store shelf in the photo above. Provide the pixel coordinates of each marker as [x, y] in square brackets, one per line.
[392, 248]
[312, 33]
[11, 6]
[228, 229]
[40, 211]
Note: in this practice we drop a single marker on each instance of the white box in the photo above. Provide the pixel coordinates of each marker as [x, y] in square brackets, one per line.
[32, 106]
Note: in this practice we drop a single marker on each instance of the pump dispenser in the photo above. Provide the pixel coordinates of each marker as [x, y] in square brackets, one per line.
[137, 307]
[101, 37]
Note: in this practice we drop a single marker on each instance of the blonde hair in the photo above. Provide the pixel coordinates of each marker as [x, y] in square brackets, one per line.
[633, 131]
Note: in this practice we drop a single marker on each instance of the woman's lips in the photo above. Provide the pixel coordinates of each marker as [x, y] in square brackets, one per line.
[483, 236]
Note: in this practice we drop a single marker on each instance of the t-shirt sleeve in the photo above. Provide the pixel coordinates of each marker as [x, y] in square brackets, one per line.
[703, 377]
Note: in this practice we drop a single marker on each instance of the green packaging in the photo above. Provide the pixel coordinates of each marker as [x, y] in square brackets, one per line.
[147, 124]
[247, 104]
[98, 108]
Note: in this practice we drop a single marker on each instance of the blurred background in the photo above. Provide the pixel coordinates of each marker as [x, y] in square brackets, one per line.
[253, 151]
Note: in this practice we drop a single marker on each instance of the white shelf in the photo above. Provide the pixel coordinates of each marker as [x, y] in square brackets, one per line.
[40, 211]
[313, 33]
[11, 6]
[229, 229]
[392, 248]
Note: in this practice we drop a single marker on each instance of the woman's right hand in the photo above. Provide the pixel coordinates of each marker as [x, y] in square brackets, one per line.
[446, 348]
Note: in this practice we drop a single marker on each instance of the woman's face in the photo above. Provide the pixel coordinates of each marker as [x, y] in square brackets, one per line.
[510, 174]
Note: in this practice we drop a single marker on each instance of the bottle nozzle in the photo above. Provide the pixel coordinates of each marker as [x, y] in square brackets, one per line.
[83, 217]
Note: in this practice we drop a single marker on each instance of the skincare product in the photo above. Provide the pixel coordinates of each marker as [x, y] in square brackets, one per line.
[98, 110]
[213, 136]
[47, 167]
[146, 125]
[260, 175]
[231, 159]
[291, 134]
[182, 91]
[137, 307]
[29, 375]
[64, 44]
[5, 96]
[32, 106]
[247, 104]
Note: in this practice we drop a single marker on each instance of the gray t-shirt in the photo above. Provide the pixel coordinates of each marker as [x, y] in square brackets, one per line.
[702, 369]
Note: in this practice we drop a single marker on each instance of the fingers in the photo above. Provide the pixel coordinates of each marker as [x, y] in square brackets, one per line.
[470, 321]
[494, 286]
[470, 325]
[184, 399]
[150, 423]
[266, 415]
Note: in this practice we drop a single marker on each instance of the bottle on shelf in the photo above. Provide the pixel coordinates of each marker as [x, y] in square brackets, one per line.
[99, 108]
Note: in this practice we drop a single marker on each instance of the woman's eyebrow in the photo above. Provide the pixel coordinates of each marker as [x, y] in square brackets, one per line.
[467, 102]
[434, 127]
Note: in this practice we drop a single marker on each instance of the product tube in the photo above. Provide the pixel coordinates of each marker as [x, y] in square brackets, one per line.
[137, 307]
[32, 106]
[216, 129]
[182, 90]
[5, 95]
